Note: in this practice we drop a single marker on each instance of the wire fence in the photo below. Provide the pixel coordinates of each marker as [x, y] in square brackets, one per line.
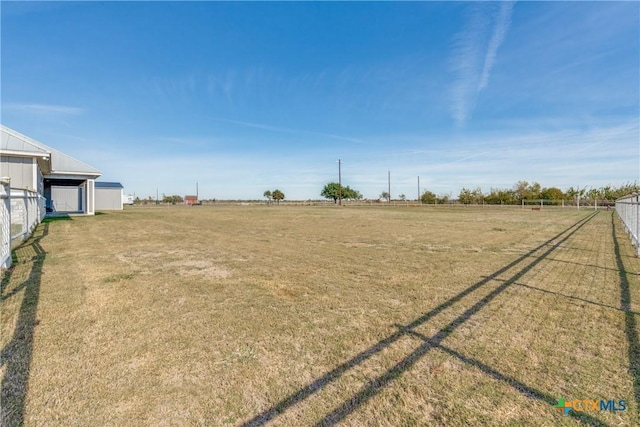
[5, 225]
[515, 204]
[20, 212]
[628, 209]
[567, 203]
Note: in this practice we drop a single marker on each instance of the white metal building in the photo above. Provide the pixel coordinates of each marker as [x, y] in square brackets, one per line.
[109, 196]
[67, 184]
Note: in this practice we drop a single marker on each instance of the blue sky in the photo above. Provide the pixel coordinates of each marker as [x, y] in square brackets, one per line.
[245, 97]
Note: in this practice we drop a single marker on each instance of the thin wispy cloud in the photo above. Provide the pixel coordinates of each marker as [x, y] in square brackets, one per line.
[465, 60]
[44, 109]
[187, 141]
[497, 37]
[489, 160]
[474, 54]
[290, 130]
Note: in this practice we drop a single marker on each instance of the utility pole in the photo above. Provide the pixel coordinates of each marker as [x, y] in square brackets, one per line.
[418, 188]
[389, 185]
[339, 182]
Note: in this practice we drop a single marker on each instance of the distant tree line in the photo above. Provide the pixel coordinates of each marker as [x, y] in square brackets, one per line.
[522, 190]
[429, 197]
[174, 199]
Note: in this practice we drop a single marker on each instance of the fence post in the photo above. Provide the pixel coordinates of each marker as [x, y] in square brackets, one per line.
[5, 222]
[27, 224]
[637, 223]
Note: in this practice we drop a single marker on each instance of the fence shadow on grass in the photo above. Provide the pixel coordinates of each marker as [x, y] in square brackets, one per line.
[374, 386]
[599, 267]
[572, 297]
[630, 324]
[520, 387]
[15, 357]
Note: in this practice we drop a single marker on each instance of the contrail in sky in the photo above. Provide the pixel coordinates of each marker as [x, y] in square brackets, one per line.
[499, 32]
[473, 57]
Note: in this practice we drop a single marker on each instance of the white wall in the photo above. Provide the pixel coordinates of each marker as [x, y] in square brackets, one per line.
[66, 199]
[21, 170]
[108, 199]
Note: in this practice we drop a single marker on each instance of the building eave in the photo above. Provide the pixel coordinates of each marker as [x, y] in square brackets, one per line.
[70, 175]
[40, 154]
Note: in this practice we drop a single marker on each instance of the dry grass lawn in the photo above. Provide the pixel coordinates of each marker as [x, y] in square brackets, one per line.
[255, 315]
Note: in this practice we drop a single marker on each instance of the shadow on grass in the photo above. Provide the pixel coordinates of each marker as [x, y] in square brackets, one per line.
[520, 387]
[630, 324]
[560, 294]
[583, 265]
[15, 357]
[376, 385]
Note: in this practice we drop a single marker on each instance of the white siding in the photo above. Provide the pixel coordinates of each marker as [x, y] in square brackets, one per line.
[21, 170]
[66, 199]
[108, 199]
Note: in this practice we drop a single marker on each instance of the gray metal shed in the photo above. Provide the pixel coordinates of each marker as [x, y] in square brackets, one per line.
[109, 196]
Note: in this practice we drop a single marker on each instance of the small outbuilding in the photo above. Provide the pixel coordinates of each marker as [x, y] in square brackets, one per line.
[109, 196]
[191, 200]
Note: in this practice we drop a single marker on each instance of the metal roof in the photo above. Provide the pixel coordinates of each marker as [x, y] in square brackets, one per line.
[13, 141]
[61, 164]
[100, 184]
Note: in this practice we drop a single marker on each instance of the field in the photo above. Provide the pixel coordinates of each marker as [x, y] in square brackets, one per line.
[256, 315]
